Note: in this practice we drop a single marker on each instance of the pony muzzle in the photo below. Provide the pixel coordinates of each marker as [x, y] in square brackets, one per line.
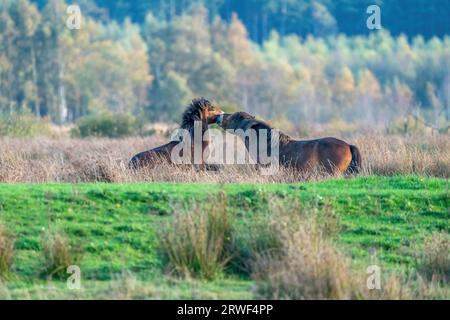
[219, 119]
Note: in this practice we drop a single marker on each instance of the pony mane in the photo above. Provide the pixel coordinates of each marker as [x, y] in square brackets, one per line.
[193, 112]
[283, 137]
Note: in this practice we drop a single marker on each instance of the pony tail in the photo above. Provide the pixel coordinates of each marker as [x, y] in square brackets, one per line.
[355, 166]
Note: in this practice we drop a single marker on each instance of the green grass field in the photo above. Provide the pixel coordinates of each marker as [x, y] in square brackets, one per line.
[116, 225]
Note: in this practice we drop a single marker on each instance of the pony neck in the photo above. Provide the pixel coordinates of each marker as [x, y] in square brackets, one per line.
[190, 117]
[282, 137]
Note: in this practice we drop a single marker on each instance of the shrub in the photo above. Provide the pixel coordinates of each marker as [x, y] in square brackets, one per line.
[434, 260]
[6, 250]
[406, 125]
[112, 125]
[59, 254]
[195, 243]
[24, 126]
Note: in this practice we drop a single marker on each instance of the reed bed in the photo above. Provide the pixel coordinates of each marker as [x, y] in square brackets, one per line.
[40, 160]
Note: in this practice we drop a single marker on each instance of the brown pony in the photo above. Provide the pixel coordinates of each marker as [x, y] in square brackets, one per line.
[331, 154]
[199, 110]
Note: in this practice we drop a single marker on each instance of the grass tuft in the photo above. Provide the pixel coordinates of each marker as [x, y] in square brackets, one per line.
[6, 250]
[59, 254]
[434, 260]
[195, 243]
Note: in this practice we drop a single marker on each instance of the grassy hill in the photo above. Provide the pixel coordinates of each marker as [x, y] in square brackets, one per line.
[117, 224]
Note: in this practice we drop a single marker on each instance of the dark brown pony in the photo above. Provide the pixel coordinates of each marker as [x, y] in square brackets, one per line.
[200, 110]
[331, 154]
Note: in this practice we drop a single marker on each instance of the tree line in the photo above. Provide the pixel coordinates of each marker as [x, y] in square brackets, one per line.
[153, 68]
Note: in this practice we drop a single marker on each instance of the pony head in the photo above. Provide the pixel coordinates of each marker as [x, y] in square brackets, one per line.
[200, 110]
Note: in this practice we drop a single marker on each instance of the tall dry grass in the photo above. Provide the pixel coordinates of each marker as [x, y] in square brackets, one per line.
[434, 258]
[309, 266]
[6, 250]
[58, 253]
[406, 155]
[105, 160]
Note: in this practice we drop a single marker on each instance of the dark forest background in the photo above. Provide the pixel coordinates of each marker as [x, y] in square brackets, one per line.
[302, 17]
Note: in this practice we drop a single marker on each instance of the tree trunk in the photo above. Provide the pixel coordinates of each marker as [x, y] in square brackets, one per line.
[35, 81]
[61, 92]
